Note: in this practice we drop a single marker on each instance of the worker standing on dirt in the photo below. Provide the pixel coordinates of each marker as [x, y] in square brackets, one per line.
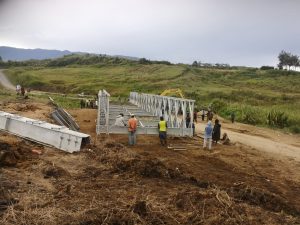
[18, 89]
[210, 115]
[232, 117]
[195, 116]
[91, 103]
[162, 130]
[82, 104]
[216, 131]
[188, 120]
[208, 135]
[132, 126]
[87, 103]
[22, 91]
[120, 122]
[202, 114]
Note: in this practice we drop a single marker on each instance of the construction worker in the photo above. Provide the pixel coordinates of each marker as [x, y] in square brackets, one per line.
[195, 116]
[188, 120]
[208, 135]
[132, 126]
[87, 103]
[22, 91]
[232, 117]
[210, 115]
[120, 120]
[82, 103]
[225, 139]
[216, 131]
[162, 130]
[91, 103]
[18, 89]
[202, 114]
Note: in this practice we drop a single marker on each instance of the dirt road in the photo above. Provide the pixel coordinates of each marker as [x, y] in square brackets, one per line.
[5, 82]
[8, 85]
[261, 139]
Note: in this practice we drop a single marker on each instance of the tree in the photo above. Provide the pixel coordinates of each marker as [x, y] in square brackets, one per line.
[286, 59]
[144, 61]
[195, 64]
[283, 59]
[1, 59]
[294, 61]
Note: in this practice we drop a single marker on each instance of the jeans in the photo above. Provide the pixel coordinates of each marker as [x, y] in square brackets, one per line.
[163, 138]
[205, 143]
[132, 137]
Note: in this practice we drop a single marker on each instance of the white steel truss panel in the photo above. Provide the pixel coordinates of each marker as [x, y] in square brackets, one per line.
[42, 132]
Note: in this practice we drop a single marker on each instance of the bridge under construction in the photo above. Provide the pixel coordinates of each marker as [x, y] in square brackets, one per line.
[147, 108]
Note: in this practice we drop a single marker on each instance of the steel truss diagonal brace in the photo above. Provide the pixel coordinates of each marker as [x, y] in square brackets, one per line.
[174, 110]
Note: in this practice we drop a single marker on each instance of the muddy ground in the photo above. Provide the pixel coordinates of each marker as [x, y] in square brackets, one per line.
[111, 183]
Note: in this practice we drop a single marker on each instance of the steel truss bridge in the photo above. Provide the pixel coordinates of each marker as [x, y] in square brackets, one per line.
[147, 108]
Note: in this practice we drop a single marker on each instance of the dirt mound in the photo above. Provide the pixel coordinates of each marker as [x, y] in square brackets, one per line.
[6, 202]
[110, 217]
[143, 167]
[92, 171]
[263, 198]
[140, 208]
[154, 168]
[10, 154]
[119, 159]
[7, 158]
[4, 146]
[114, 145]
[6, 187]
[21, 107]
[108, 151]
[54, 171]
[216, 206]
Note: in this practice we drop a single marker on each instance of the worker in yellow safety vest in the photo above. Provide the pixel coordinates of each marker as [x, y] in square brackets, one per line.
[162, 129]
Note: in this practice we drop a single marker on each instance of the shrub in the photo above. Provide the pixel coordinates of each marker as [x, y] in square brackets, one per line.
[217, 104]
[36, 84]
[251, 116]
[217, 94]
[144, 61]
[295, 129]
[277, 119]
[267, 68]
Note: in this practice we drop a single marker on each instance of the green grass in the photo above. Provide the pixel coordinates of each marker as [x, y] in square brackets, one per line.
[247, 91]
[6, 95]
[68, 102]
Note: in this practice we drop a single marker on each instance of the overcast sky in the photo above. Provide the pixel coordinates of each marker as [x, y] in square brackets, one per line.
[238, 32]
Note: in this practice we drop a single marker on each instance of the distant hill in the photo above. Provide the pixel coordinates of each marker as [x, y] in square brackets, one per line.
[127, 57]
[20, 54]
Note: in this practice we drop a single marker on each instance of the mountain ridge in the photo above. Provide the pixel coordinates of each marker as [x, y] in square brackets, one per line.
[23, 54]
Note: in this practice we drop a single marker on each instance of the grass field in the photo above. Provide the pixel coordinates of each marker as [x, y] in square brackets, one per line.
[251, 93]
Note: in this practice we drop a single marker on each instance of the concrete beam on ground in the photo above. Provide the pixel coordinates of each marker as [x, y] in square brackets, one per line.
[42, 132]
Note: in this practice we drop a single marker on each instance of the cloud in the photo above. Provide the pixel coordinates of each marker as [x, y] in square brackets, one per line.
[239, 32]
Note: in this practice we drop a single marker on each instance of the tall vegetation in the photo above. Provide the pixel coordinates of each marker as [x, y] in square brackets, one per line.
[288, 60]
[211, 65]
[81, 59]
[257, 96]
